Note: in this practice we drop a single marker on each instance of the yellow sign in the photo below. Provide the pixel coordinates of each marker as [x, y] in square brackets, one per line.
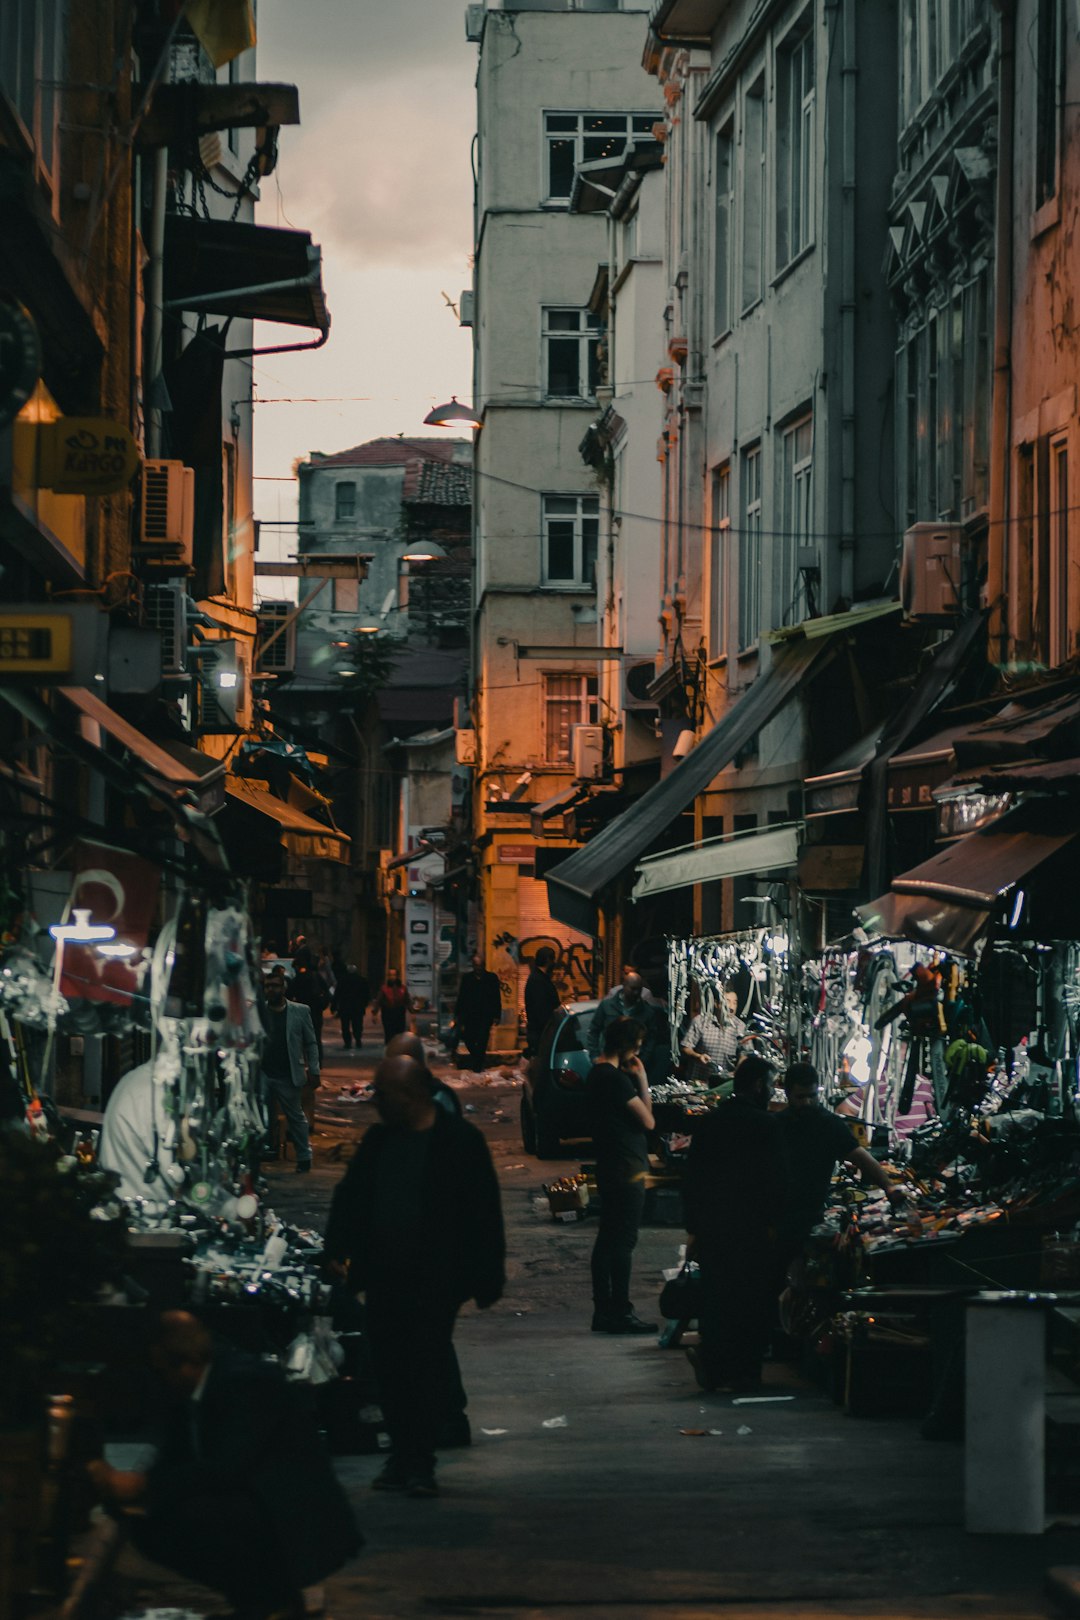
[35, 643]
[86, 455]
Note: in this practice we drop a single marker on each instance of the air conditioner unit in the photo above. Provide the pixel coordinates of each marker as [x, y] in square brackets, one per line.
[166, 612]
[222, 694]
[932, 572]
[167, 519]
[474, 23]
[465, 747]
[587, 752]
[467, 307]
[638, 675]
[279, 658]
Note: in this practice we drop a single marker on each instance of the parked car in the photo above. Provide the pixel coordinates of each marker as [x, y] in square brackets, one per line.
[553, 1102]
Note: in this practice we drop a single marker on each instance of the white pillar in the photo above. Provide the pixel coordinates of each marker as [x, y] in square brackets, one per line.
[1004, 1437]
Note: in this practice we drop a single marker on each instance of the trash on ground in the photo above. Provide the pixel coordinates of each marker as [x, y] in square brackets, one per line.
[742, 1429]
[760, 1400]
[693, 1431]
[494, 1431]
[554, 1423]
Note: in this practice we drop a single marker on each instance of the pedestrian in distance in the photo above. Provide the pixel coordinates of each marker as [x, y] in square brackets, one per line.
[621, 1117]
[479, 1006]
[349, 1003]
[241, 1496]
[393, 1005]
[416, 1223]
[733, 1190]
[541, 997]
[290, 1056]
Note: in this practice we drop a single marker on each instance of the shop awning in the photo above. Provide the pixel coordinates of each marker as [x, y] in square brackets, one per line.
[1063, 774]
[300, 834]
[948, 900]
[575, 884]
[223, 267]
[157, 760]
[731, 857]
[565, 799]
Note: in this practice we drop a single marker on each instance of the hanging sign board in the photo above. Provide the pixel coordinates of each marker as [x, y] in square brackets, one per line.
[86, 455]
[20, 359]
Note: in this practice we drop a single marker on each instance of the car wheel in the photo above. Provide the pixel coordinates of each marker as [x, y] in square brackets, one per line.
[528, 1124]
[548, 1141]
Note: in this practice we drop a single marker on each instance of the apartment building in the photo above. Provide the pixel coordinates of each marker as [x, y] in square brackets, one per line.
[558, 86]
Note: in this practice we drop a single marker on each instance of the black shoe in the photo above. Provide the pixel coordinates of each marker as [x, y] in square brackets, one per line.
[453, 1433]
[693, 1356]
[421, 1485]
[303, 1166]
[393, 1476]
[631, 1323]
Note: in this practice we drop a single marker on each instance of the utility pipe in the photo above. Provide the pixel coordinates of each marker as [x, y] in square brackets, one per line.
[156, 311]
[998, 559]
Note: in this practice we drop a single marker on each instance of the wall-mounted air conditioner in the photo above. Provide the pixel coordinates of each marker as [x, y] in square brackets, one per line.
[638, 675]
[932, 572]
[465, 746]
[166, 612]
[167, 515]
[587, 752]
[474, 23]
[467, 307]
[279, 657]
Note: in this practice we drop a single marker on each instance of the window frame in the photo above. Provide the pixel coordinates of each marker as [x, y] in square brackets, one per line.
[754, 196]
[579, 518]
[588, 336]
[724, 223]
[36, 112]
[1049, 97]
[1058, 526]
[796, 508]
[579, 136]
[341, 516]
[796, 124]
[751, 498]
[720, 560]
[587, 699]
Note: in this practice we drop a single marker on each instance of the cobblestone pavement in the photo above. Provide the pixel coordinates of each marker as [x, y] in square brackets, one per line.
[791, 1509]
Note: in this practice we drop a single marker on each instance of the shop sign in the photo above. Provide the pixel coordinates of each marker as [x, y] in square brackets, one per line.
[20, 359]
[86, 455]
[517, 854]
[35, 643]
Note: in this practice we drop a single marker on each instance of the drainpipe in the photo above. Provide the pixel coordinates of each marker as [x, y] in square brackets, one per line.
[848, 81]
[998, 561]
[156, 287]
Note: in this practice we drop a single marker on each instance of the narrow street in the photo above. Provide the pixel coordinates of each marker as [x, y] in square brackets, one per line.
[792, 1509]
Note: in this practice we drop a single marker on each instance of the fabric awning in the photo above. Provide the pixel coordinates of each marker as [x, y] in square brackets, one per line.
[719, 858]
[300, 834]
[948, 900]
[159, 761]
[224, 267]
[575, 884]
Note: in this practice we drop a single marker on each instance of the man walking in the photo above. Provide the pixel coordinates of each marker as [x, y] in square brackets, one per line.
[628, 1001]
[732, 1191]
[351, 996]
[541, 997]
[418, 1220]
[393, 1005]
[479, 1005]
[290, 1046]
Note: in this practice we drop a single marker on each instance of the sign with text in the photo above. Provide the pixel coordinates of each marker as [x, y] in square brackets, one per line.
[86, 455]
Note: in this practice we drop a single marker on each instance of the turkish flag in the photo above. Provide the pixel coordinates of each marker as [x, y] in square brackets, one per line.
[120, 889]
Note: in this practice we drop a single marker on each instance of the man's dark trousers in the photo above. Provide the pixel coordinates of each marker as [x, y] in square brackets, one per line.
[476, 1042]
[738, 1302]
[227, 1542]
[622, 1203]
[411, 1333]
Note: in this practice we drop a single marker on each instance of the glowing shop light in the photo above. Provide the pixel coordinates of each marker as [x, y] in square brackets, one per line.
[81, 931]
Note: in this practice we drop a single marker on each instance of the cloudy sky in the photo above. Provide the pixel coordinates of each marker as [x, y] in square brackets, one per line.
[379, 173]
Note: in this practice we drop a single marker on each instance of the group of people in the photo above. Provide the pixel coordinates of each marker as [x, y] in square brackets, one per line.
[756, 1183]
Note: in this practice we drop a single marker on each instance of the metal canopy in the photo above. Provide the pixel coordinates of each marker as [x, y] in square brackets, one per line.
[575, 884]
[224, 267]
[718, 858]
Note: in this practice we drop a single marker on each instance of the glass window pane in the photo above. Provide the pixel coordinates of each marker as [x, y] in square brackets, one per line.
[564, 375]
[560, 551]
[561, 503]
[643, 123]
[590, 535]
[560, 121]
[590, 503]
[561, 158]
[607, 123]
[563, 320]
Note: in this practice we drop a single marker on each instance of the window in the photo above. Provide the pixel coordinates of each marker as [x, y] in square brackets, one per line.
[571, 531]
[753, 209]
[344, 502]
[1060, 572]
[795, 148]
[573, 138]
[30, 68]
[722, 230]
[796, 517]
[569, 700]
[1049, 94]
[721, 541]
[346, 596]
[571, 341]
[750, 549]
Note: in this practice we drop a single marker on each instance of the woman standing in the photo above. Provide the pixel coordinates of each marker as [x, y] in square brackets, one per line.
[393, 1005]
[620, 1110]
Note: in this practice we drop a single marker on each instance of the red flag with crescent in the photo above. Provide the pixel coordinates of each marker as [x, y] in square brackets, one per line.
[120, 889]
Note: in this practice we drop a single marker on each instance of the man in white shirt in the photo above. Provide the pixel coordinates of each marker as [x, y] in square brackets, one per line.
[137, 1138]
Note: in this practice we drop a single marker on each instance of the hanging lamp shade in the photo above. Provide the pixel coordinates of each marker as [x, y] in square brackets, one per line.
[422, 551]
[453, 415]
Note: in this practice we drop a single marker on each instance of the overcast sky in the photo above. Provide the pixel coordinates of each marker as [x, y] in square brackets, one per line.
[379, 173]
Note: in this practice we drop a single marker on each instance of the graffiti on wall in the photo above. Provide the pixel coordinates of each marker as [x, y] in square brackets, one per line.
[574, 973]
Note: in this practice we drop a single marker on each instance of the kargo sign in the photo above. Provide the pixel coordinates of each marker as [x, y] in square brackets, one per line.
[86, 455]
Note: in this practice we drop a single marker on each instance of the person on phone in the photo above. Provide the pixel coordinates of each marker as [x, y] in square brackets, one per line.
[621, 1117]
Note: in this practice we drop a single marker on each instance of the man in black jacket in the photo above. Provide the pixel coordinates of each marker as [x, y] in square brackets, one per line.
[541, 997]
[418, 1220]
[479, 1005]
[733, 1190]
[241, 1496]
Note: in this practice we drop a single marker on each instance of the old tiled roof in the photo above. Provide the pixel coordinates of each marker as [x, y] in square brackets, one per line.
[437, 483]
[389, 453]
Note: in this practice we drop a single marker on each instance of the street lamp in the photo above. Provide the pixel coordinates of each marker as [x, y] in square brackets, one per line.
[422, 551]
[453, 415]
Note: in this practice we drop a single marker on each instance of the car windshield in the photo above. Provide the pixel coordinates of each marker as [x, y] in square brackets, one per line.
[568, 1038]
